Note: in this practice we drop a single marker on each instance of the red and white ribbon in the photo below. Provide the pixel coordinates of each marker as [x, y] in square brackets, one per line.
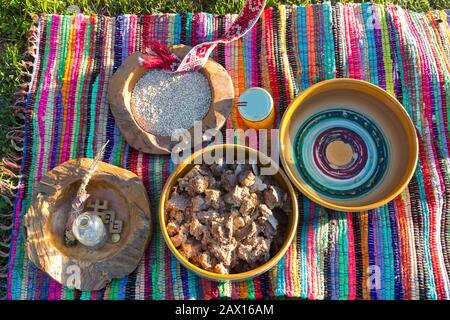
[160, 57]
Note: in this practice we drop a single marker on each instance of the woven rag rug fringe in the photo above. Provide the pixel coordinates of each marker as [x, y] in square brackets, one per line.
[10, 163]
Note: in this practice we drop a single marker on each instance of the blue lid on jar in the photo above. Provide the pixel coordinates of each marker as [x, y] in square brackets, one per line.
[255, 104]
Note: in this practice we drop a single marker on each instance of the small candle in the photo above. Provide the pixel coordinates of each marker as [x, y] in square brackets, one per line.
[89, 230]
[255, 106]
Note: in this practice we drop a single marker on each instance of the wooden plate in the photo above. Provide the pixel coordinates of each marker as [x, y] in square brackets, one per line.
[79, 266]
[119, 96]
[348, 145]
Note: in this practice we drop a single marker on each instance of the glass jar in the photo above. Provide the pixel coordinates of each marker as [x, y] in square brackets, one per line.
[89, 230]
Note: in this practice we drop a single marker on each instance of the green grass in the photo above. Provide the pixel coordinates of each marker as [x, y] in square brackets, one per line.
[16, 19]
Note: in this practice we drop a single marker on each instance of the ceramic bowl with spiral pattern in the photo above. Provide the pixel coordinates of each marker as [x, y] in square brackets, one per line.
[348, 145]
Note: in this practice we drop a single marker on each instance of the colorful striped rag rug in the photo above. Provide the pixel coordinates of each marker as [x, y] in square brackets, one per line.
[399, 251]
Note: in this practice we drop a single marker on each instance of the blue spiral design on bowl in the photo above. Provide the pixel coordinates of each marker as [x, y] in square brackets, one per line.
[360, 167]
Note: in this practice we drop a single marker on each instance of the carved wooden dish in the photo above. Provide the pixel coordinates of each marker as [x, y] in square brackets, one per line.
[119, 96]
[79, 266]
[348, 145]
[263, 161]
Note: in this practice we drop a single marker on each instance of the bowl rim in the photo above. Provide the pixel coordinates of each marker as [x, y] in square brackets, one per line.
[393, 102]
[292, 230]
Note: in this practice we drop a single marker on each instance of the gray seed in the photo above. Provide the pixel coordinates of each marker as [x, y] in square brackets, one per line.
[162, 102]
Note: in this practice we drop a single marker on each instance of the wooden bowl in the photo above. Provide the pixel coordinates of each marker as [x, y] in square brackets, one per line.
[348, 145]
[46, 218]
[263, 160]
[121, 87]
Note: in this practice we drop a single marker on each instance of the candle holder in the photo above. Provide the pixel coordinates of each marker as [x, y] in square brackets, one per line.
[89, 230]
[121, 87]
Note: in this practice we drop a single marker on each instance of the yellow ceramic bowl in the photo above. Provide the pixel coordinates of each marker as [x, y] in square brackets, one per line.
[263, 160]
[338, 133]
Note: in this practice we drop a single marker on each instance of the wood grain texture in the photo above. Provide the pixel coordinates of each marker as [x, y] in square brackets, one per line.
[80, 267]
[119, 97]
